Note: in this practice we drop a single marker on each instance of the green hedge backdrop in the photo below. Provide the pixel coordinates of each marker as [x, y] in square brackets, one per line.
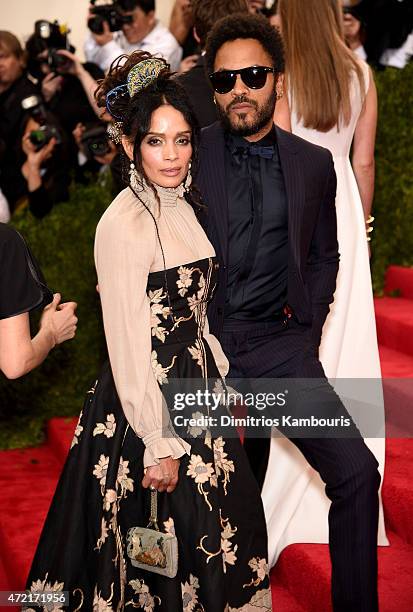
[63, 244]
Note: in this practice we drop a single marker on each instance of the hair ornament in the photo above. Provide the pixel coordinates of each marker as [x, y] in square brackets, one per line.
[114, 131]
[144, 73]
[112, 96]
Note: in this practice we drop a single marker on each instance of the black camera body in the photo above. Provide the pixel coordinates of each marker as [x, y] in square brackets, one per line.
[58, 63]
[40, 137]
[43, 135]
[55, 38]
[109, 13]
[95, 141]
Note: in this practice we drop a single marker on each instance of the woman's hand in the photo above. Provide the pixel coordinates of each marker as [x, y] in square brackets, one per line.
[59, 319]
[162, 477]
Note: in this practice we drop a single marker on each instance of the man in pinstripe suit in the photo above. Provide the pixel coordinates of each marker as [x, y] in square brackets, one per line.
[271, 218]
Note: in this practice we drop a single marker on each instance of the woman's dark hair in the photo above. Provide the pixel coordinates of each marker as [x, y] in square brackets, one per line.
[238, 26]
[136, 113]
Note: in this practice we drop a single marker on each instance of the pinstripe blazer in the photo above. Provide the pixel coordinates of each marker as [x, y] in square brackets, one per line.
[310, 183]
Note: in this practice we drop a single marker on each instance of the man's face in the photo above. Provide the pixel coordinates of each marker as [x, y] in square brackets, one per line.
[140, 27]
[245, 111]
[10, 68]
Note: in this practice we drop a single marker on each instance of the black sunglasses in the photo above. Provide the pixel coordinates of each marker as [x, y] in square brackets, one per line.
[254, 77]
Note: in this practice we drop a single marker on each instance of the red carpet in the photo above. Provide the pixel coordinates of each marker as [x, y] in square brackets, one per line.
[301, 578]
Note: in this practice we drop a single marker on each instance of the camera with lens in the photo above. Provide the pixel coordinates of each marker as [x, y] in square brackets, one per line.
[55, 37]
[40, 137]
[43, 135]
[109, 13]
[95, 141]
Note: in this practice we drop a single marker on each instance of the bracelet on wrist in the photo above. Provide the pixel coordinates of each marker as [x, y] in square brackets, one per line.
[369, 227]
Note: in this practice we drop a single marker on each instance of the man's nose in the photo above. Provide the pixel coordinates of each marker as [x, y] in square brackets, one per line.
[239, 88]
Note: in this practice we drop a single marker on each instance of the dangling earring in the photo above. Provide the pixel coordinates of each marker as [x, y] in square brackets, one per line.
[215, 100]
[134, 177]
[188, 179]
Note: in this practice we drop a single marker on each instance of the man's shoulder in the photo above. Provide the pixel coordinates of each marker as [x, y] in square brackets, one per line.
[212, 135]
[299, 145]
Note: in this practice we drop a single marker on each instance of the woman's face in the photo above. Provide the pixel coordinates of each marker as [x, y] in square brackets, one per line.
[166, 150]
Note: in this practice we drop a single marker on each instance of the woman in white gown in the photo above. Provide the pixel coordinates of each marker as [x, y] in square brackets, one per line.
[331, 102]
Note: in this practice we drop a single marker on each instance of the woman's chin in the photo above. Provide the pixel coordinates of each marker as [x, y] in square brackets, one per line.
[169, 182]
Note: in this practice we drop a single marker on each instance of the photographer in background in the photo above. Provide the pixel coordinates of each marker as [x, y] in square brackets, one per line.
[125, 26]
[99, 152]
[14, 87]
[45, 169]
[66, 84]
[181, 25]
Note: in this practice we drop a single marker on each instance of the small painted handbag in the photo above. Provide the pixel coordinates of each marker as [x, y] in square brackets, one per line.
[150, 549]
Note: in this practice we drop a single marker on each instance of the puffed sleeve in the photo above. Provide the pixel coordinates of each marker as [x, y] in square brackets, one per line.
[124, 251]
[221, 361]
[22, 286]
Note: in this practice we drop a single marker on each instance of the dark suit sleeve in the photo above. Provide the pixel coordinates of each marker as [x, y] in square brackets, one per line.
[322, 265]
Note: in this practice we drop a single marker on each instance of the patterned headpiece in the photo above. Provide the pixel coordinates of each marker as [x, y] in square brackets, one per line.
[144, 73]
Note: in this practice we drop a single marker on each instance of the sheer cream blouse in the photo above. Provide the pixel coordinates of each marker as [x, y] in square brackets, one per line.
[126, 251]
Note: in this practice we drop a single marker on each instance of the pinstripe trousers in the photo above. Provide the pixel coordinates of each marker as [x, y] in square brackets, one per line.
[346, 465]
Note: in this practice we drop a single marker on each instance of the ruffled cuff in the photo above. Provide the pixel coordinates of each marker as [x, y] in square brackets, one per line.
[163, 443]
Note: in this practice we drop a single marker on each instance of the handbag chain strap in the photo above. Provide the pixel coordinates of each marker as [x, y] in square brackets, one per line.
[153, 519]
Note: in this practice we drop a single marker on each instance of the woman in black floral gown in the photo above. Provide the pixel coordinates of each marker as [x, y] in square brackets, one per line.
[156, 272]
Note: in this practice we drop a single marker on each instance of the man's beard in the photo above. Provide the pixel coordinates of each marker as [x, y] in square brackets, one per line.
[242, 128]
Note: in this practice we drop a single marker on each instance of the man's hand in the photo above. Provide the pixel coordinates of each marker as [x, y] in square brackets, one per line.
[51, 84]
[188, 63]
[74, 65]
[35, 158]
[105, 37]
[162, 477]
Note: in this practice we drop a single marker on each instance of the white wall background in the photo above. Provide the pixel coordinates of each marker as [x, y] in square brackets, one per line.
[18, 16]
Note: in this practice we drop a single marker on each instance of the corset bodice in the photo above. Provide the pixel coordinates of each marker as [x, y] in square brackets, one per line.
[178, 299]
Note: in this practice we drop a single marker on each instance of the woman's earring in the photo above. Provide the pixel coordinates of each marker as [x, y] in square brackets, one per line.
[114, 131]
[133, 177]
[215, 100]
[188, 179]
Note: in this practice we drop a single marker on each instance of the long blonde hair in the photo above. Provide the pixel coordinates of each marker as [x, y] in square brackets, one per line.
[318, 63]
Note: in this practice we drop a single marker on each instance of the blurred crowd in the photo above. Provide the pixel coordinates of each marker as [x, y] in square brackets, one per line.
[51, 129]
